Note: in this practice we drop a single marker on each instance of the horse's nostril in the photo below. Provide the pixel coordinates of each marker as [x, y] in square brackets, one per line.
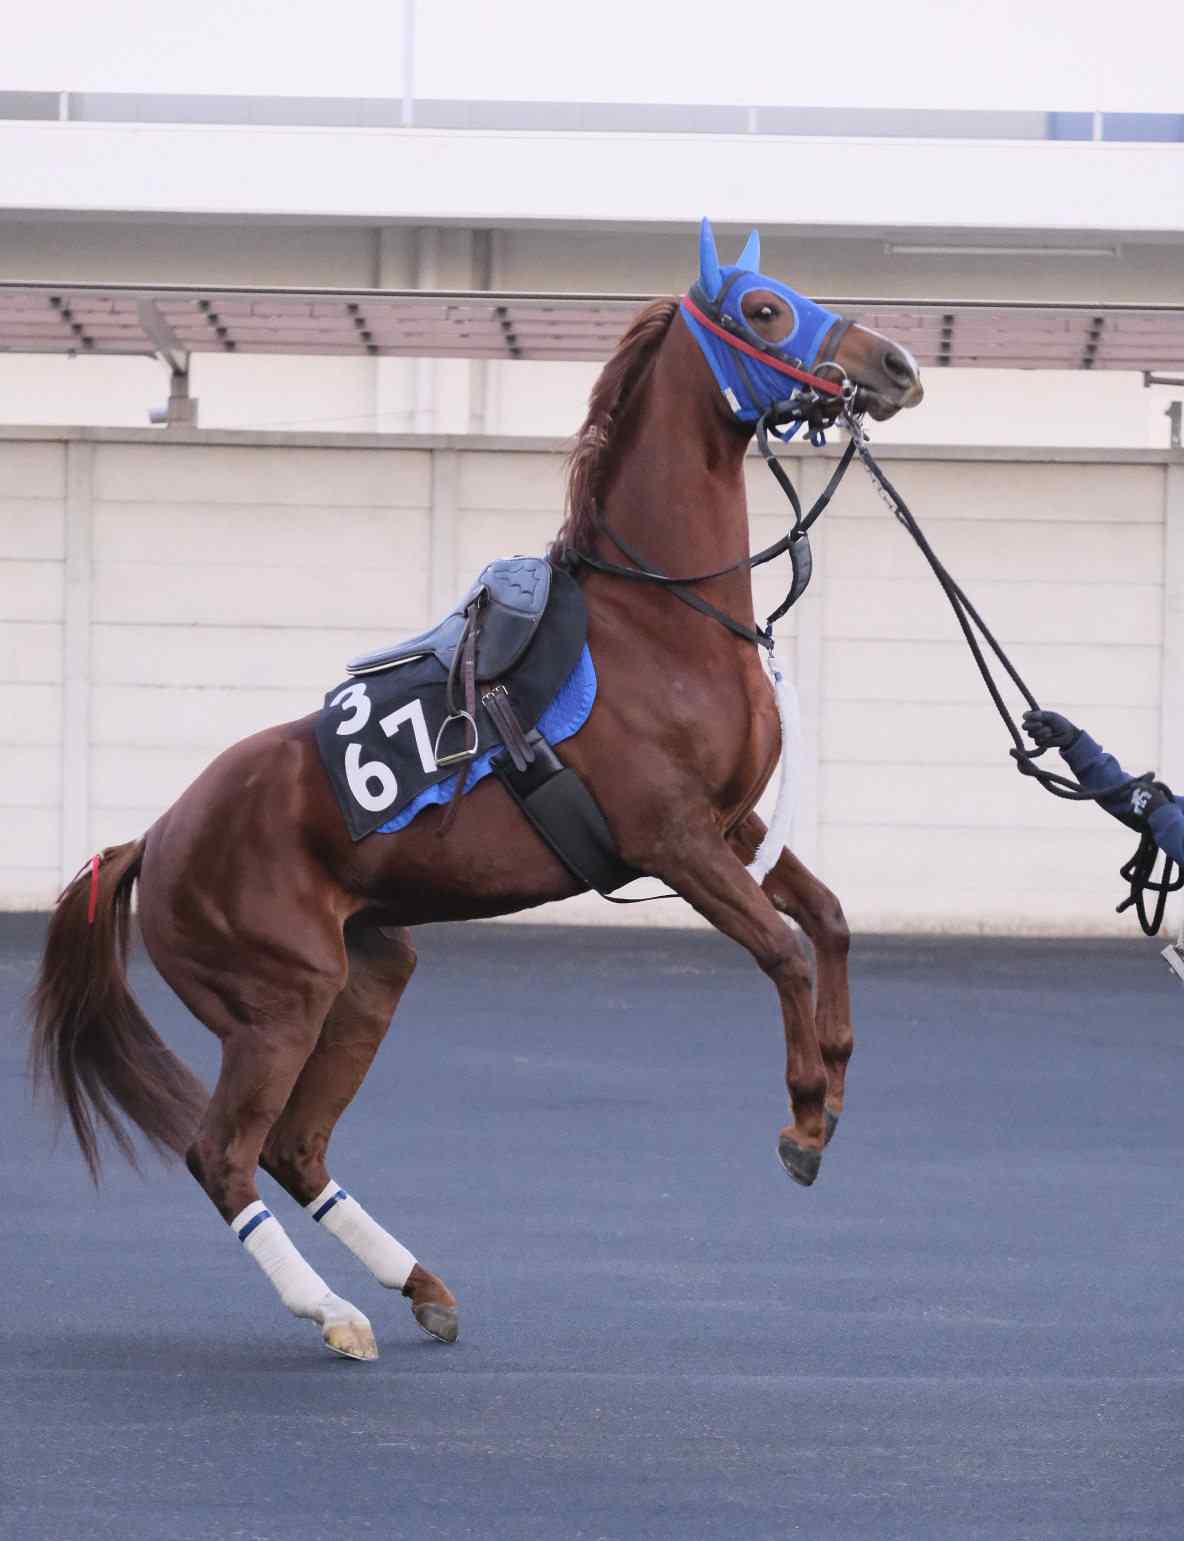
[899, 368]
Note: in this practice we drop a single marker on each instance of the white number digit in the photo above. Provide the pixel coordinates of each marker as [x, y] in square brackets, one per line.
[361, 776]
[412, 713]
[353, 699]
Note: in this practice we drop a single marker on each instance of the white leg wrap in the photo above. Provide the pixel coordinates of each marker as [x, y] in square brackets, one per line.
[298, 1285]
[387, 1259]
[781, 824]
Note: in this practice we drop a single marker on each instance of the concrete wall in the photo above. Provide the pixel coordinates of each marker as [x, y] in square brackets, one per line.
[161, 596]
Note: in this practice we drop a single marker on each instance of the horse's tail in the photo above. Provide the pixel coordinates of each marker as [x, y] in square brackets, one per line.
[91, 1042]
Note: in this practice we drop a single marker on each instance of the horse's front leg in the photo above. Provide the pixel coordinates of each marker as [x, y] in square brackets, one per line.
[795, 891]
[709, 876]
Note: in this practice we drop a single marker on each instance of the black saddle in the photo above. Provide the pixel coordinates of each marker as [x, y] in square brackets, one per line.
[514, 592]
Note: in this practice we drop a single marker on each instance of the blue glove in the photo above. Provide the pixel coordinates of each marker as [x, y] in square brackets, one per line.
[1050, 730]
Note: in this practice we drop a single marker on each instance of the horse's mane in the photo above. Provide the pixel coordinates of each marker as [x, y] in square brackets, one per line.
[591, 453]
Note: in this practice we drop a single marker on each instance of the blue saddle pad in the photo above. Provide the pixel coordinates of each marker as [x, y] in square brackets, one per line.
[379, 734]
[565, 716]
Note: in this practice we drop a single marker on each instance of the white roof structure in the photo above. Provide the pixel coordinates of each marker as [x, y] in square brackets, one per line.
[172, 322]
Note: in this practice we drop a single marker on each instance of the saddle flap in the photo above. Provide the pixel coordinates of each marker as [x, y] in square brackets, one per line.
[380, 736]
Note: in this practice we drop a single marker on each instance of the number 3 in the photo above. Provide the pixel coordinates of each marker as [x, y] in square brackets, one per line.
[353, 699]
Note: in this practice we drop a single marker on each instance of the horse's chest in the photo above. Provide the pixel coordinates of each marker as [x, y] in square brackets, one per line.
[729, 731]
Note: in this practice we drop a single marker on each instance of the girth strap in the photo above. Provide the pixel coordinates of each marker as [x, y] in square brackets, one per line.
[496, 701]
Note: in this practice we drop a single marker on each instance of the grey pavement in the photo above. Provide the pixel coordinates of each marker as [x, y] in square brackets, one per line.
[969, 1328]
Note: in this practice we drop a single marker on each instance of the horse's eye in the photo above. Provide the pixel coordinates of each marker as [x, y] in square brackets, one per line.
[765, 313]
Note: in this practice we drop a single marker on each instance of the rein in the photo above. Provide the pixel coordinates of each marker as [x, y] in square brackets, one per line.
[796, 542]
[1137, 872]
[815, 406]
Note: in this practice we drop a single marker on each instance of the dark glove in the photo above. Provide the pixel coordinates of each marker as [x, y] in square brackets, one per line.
[1146, 799]
[1050, 730]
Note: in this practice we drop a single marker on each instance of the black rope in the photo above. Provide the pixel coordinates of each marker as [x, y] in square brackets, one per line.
[1137, 872]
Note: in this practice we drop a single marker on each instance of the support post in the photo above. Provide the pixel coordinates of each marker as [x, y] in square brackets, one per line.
[445, 489]
[76, 658]
[182, 408]
[482, 270]
[427, 276]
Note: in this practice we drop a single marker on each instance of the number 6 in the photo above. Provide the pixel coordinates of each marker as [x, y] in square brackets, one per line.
[361, 776]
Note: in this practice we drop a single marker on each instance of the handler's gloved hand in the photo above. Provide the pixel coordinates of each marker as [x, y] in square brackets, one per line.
[1050, 730]
[1146, 798]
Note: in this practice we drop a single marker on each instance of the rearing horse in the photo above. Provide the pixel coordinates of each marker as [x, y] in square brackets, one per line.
[291, 942]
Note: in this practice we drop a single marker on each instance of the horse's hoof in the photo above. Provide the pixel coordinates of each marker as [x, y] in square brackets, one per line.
[440, 1322]
[801, 1164]
[352, 1340]
[832, 1123]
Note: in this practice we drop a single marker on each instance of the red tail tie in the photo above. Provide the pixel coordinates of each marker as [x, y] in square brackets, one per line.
[92, 902]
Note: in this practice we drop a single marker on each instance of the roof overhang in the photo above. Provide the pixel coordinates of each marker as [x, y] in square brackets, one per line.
[172, 322]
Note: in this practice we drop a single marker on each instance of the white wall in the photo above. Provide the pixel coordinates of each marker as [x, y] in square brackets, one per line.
[161, 596]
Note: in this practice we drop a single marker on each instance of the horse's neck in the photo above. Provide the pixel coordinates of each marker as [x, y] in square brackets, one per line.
[676, 495]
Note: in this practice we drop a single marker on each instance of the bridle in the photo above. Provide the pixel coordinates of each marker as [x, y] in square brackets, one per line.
[710, 314]
[815, 404]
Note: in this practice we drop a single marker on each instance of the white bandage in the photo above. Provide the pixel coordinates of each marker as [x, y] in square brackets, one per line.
[298, 1284]
[387, 1259]
[781, 824]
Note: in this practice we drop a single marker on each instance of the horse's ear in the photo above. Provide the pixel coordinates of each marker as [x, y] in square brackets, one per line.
[709, 273]
[750, 258]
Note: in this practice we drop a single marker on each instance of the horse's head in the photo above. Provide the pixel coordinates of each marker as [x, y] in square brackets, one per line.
[767, 344]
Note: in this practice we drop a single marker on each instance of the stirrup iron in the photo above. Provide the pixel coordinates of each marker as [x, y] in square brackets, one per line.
[470, 749]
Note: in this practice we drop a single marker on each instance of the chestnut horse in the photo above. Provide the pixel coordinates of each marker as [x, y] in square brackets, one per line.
[291, 942]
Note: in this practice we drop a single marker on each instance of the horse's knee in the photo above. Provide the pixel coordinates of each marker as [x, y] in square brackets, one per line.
[826, 925]
[834, 935]
[788, 967]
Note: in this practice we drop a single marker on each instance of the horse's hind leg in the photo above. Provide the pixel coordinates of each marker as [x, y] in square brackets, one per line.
[268, 1023]
[796, 892]
[380, 965]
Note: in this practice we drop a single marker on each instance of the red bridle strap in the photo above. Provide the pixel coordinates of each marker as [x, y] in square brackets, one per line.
[816, 382]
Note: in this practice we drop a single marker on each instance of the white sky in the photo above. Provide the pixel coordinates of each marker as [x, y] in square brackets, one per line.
[1070, 55]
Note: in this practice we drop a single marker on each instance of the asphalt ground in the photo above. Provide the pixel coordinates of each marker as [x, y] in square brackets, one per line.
[969, 1328]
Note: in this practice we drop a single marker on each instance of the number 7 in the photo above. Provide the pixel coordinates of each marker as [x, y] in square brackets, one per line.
[413, 713]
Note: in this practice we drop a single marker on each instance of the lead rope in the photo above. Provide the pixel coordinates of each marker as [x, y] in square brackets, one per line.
[1138, 871]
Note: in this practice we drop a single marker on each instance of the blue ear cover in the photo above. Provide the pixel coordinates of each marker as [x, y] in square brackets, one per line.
[709, 273]
[749, 384]
[750, 258]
